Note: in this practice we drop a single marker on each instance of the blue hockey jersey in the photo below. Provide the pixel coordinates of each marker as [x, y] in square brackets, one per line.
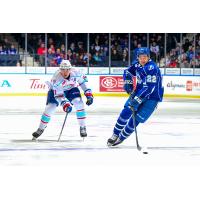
[149, 80]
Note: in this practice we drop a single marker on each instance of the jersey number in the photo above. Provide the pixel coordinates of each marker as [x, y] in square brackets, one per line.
[151, 79]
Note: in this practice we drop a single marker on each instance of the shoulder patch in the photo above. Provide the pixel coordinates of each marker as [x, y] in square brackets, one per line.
[151, 67]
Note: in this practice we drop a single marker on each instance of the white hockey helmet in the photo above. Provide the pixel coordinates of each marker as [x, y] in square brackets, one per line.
[65, 64]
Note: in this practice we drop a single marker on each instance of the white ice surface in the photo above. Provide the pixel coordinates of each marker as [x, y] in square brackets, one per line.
[171, 135]
[73, 169]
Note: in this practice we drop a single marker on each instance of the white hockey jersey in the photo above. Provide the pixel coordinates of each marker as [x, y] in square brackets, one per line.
[59, 84]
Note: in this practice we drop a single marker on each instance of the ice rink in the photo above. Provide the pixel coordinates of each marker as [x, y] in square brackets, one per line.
[171, 135]
[77, 169]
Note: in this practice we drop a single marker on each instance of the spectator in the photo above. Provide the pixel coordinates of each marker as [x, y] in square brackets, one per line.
[125, 56]
[18, 64]
[50, 42]
[41, 53]
[144, 41]
[154, 50]
[72, 47]
[92, 49]
[167, 60]
[160, 43]
[190, 53]
[39, 41]
[184, 64]
[173, 63]
[80, 61]
[62, 49]
[69, 55]
[80, 49]
[86, 56]
[6, 44]
[97, 58]
[59, 57]
[135, 44]
[52, 49]
[51, 58]
[186, 45]
[194, 63]
[115, 55]
[162, 62]
[12, 50]
[2, 51]
[2, 57]
[97, 46]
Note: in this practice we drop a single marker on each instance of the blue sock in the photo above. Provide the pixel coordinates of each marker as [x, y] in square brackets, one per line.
[122, 121]
[128, 129]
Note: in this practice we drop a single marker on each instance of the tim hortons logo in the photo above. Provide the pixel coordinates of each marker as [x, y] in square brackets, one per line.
[109, 82]
[36, 84]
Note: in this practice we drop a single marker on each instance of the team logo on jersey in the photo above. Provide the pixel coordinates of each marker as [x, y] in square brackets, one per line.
[151, 67]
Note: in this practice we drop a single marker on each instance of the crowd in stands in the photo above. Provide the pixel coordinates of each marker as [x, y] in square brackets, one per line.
[119, 50]
[186, 55]
[8, 53]
[77, 53]
[56, 50]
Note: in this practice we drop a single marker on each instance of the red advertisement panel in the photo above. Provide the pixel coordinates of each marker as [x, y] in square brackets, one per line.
[111, 84]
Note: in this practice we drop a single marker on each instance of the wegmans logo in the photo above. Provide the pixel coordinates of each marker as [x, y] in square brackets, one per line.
[175, 85]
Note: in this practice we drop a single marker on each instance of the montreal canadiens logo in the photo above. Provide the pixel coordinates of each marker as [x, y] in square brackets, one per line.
[109, 82]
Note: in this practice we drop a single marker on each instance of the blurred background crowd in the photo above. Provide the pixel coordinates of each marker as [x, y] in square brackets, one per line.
[172, 50]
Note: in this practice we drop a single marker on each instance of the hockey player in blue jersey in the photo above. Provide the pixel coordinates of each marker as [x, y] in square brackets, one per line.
[143, 98]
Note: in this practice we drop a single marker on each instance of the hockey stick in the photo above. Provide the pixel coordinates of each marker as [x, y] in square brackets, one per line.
[135, 129]
[63, 126]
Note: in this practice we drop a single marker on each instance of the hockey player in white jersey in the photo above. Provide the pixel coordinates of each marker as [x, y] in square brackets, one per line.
[64, 91]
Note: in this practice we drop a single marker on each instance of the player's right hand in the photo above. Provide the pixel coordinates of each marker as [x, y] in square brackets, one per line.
[66, 106]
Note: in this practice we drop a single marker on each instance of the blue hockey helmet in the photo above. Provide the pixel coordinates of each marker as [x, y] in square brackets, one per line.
[143, 51]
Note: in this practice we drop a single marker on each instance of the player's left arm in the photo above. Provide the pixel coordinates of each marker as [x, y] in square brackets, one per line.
[83, 80]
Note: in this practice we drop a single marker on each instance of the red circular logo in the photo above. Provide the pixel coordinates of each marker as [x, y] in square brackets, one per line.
[109, 82]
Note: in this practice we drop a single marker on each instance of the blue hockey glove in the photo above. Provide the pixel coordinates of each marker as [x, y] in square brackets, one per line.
[66, 106]
[135, 102]
[89, 96]
[128, 82]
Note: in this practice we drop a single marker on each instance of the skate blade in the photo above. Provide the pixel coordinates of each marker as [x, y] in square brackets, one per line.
[83, 138]
[34, 139]
[109, 144]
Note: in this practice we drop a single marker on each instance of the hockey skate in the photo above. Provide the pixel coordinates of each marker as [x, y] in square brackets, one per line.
[112, 140]
[118, 141]
[37, 133]
[83, 132]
